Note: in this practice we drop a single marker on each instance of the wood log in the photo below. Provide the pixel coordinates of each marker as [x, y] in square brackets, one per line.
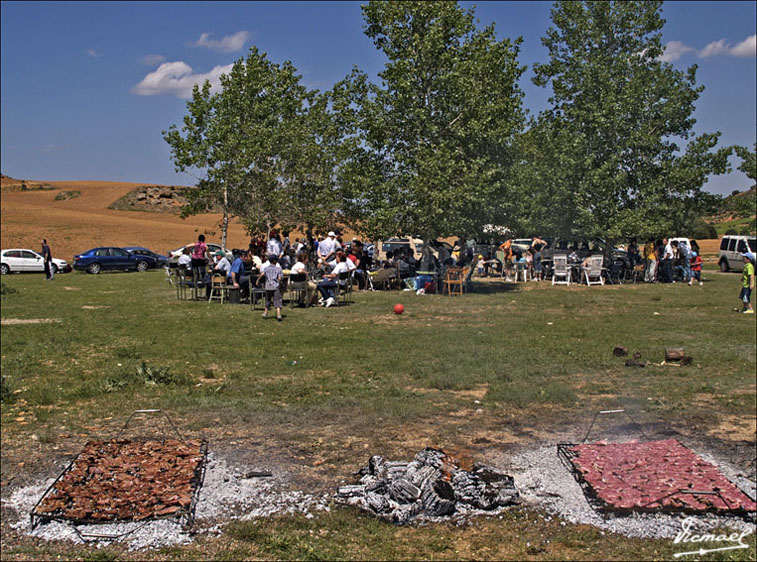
[620, 351]
[674, 353]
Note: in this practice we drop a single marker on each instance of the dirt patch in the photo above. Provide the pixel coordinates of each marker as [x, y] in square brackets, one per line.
[14, 321]
[90, 307]
[735, 428]
[72, 288]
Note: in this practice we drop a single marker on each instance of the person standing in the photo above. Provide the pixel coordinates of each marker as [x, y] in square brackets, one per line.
[537, 245]
[747, 283]
[667, 262]
[650, 255]
[272, 278]
[47, 258]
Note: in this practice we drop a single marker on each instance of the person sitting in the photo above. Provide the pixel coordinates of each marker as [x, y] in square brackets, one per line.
[222, 264]
[235, 276]
[185, 260]
[406, 264]
[301, 268]
[389, 261]
[329, 283]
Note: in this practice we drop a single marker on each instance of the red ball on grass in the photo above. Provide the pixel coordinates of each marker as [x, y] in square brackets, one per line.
[399, 309]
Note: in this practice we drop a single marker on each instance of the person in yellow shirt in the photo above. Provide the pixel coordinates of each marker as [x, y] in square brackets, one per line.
[747, 283]
[650, 257]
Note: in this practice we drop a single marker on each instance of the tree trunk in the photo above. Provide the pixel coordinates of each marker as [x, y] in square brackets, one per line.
[225, 220]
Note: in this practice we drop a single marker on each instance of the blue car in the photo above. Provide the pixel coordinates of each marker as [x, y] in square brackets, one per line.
[111, 258]
[161, 261]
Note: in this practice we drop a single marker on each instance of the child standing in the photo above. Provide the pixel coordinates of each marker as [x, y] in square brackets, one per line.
[747, 284]
[481, 266]
[272, 275]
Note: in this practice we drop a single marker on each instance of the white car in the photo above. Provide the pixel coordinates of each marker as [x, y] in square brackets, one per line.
[731, 248]
[174, 255]
[21, 260]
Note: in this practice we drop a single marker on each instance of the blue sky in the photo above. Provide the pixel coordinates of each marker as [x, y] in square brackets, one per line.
[87, 87]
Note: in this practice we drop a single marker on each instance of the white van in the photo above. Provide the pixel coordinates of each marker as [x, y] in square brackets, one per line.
[731, 248]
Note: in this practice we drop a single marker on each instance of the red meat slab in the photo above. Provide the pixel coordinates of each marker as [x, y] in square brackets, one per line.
[126, 480]
[628, 476]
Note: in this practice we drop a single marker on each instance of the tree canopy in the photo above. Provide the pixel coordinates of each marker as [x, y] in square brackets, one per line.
[612, 163]
[435, 138]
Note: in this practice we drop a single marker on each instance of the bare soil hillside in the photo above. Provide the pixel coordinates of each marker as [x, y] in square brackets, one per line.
[75, 225]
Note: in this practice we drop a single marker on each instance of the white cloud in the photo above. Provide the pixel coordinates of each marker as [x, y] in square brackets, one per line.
[153, 60]
[674, 50]
[178, 78]
[747, 48]
[228, 44]
[94, 54]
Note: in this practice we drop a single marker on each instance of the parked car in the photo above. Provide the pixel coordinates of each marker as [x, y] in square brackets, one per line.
[22, 260]
[731, 248]
[174, 255]
[161, 261]
[440, 249]
[111, 258]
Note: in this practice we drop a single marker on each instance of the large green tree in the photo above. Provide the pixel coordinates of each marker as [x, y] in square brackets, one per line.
[435, 137]
[258, 147]
[611, 134]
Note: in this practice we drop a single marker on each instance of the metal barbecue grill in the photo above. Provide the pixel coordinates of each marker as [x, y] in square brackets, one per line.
[46, 510]
[617, 478]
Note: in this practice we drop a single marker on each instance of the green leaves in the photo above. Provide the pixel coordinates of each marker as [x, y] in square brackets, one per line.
[435, 138]
[617, 115]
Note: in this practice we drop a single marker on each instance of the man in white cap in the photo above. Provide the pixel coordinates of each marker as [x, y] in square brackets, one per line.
[328, 247]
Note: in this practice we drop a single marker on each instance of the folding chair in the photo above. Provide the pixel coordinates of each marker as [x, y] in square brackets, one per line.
[453, 281]
[343, 291]
[256, 292]
[218, 287]
[615, 272]
[298, 289]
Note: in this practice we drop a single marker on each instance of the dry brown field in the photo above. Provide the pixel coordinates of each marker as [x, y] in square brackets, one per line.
[75, 225]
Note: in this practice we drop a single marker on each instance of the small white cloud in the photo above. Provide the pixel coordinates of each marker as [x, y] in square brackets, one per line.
[747, 48]
[178, 78]
[674, 50]
[228, 44]
[94, 54]
[153, 60]
[713, 49]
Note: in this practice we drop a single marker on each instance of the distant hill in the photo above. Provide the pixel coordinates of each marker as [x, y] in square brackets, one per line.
[29, 212]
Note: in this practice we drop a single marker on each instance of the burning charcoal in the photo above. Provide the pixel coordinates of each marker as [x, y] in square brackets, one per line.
[431, 457]
[395, 469]
[426, 476]
[438, 499]
[403, 491]
[376, 465]
[377, 502]
[351, 491]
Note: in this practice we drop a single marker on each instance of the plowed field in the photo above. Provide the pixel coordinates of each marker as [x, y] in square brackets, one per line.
[76, 225]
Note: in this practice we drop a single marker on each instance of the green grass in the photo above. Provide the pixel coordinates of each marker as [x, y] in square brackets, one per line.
[739, 225]
[527, 355]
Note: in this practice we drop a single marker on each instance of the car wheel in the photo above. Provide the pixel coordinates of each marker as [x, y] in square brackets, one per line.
[54, 269]
[724, 266]
[94, 268]
[142, 265]
[4, 269]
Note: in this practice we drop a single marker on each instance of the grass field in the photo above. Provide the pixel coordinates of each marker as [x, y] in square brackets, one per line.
[327, 387]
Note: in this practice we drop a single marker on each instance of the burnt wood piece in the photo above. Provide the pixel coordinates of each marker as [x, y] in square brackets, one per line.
[634, 363]
[620, 351]
[674, 353]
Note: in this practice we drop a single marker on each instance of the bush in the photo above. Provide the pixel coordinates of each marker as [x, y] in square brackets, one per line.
[144, 374]
[6, 392]
[702, 230]
[6, 290]
[63, 195]
[731, 232]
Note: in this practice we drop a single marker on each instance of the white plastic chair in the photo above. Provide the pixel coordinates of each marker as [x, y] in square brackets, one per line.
[560, 269]
[593, 273]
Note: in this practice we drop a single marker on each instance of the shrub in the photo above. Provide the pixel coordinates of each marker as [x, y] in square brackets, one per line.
[144, 374]
[6, 290]
[6, 392]
[63, 195]
[731, 232]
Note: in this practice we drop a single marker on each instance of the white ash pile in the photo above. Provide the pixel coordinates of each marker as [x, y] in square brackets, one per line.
[432, 484]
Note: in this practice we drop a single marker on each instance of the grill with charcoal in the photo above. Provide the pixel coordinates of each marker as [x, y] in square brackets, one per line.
[651, 476]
